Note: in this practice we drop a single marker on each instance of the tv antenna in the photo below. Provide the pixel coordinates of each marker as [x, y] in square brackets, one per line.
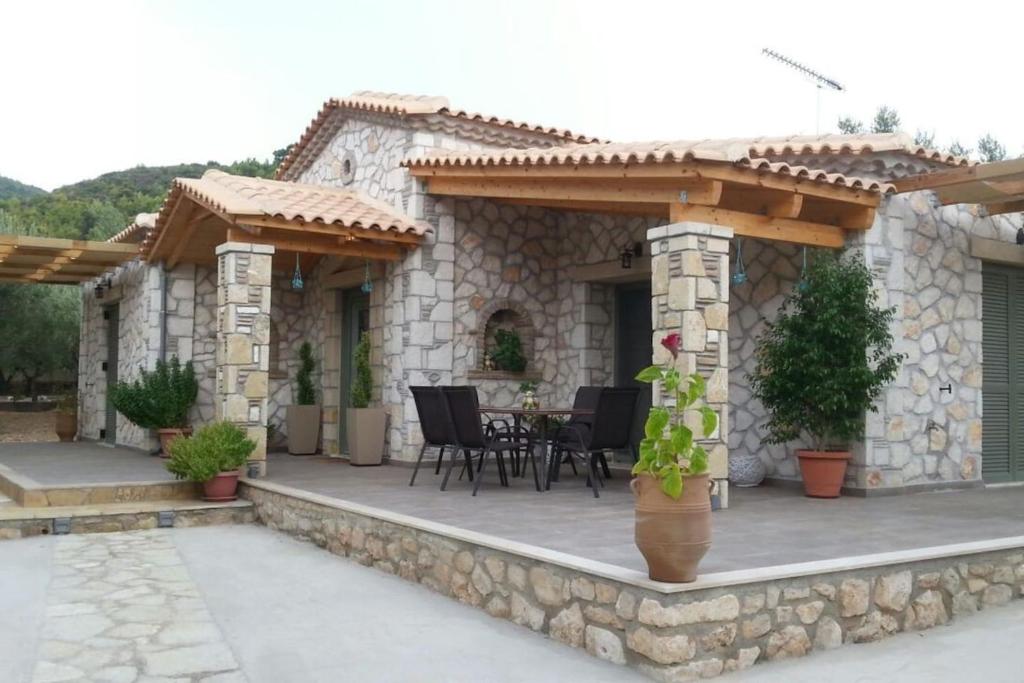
[819, 80]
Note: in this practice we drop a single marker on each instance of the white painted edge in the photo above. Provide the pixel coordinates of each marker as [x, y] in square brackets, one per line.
[632, 577]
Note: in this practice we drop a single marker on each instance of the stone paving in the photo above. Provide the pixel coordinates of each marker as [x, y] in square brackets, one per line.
[122, 607]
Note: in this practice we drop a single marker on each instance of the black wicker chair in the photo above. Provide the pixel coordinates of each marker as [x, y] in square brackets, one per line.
[435, 426]
[585, 399]
[610, 430]
[470, 435]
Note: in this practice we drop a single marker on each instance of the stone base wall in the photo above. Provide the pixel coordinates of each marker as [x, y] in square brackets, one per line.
[679, 636]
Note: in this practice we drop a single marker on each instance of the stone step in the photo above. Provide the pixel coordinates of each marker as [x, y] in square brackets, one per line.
[20, 522]
[29, 493]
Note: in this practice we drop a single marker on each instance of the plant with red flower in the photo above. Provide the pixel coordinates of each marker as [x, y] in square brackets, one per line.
[668, 451]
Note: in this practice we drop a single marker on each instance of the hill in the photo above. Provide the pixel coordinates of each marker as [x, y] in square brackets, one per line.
[10, 188]
[101, 207]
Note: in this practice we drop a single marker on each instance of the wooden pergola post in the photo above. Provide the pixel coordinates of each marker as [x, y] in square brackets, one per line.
[243, 341]
[690, 296]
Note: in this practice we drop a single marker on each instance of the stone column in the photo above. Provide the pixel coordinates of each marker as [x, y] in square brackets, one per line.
[690, 295]
[243, 340]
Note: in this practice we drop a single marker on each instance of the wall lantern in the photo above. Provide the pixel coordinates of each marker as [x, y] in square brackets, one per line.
[367, 285]
[98, 290]
[297, 283]
[627, 255]
[740, 276]
[1020, 236]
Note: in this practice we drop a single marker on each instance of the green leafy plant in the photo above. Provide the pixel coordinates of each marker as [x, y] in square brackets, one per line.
[528, 385]
[159, 399]
[508, 351]
[824, 361]
[362, 383]
[668, 451]
[68, 403]
[218, 447]
[305, 393]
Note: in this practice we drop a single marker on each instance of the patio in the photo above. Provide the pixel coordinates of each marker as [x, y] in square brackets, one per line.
[763, 527]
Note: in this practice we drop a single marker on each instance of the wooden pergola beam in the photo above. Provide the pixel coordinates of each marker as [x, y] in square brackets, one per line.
[706, 192]
[724, 172]
[761, 227]
[355, 248]
[325, 229]
[1005, 207]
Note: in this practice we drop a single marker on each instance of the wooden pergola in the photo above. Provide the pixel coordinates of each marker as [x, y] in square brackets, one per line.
[762, 200]
[50, 260]
[998, 186]
[309, 221]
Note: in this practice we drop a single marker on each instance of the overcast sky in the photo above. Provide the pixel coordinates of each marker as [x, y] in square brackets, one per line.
[90, 87]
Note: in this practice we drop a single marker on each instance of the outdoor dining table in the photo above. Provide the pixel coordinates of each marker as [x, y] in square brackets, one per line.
[542, 417]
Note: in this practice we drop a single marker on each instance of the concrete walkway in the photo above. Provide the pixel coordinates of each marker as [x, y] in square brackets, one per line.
[242, 603]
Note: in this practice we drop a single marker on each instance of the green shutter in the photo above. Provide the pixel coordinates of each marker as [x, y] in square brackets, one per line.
[1003, 371]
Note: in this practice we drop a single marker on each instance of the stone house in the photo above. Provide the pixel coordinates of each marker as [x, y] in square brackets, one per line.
[430, 228]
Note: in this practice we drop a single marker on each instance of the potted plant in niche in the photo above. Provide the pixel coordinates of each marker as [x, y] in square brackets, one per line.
[213, 458]
[508, 351]
[364, 426]
[671, 484]
[159, 400]
[303, 416]
[822, 363]
[66, 418]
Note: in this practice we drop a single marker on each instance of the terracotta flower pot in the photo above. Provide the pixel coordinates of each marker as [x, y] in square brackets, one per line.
[221, 488]
[66, 425]
[672, 535]
[167, 436]
[823, 472]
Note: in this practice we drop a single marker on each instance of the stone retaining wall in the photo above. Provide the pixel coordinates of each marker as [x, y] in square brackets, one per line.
[679, 636]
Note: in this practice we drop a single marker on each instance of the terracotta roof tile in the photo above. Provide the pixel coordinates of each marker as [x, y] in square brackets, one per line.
[738, 152]
[136, 232]
[411, 105]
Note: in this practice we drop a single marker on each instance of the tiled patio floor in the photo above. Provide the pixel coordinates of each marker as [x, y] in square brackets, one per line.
[56, 464]
[766, 526]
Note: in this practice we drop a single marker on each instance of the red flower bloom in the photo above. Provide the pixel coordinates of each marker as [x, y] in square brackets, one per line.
[672, 342]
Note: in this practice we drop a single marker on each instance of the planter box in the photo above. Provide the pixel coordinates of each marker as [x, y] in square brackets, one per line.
[365, 428]
[303, 429]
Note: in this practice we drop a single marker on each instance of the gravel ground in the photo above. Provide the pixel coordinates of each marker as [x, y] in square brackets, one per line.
[27, 426]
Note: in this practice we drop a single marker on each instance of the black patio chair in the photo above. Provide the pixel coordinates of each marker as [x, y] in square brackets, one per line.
[471, 435]
[585, 399]
[435, 427]
[610, 431]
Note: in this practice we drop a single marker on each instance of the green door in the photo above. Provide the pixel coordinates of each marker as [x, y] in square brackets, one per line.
[113, 318]
[1003, 373]
[355, 320]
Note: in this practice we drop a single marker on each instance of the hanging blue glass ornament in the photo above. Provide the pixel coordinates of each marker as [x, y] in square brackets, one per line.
[740, 276]
[367, 286]
[802, 283]
[297, 283]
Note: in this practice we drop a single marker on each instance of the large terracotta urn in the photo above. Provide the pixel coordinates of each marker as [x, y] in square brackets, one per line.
[673, 535]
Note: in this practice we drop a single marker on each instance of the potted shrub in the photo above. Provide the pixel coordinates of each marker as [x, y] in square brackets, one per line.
[671, 484]
[364, 426]
[159, 400]
[508, 351]
[303, 416]
[822, 363]
[66, 418]
[213, 458]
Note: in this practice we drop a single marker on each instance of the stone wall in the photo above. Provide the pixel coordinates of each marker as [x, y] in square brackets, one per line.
[679, 636]
[136, 287]
[920, 255]
[772, 268]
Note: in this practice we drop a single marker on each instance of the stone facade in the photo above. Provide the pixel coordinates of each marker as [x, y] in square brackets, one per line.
[678, 636]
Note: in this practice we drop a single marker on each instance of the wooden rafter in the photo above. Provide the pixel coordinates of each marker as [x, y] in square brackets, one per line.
[585, 190]
[1005, 207]
[322, 229]
[763, 227]
[45, 259]
[321, 247]
[197, 216]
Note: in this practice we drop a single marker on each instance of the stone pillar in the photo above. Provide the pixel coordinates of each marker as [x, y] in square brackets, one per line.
[243, 340]
[690, 295]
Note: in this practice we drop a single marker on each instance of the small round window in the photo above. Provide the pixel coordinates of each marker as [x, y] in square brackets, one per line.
[348, 168]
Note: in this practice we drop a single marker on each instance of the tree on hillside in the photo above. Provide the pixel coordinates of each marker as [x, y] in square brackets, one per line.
[990, 149]
[924, 139]
[850, 126]
[886, 120]
[959, 150]
[38, 333]
[280, 154]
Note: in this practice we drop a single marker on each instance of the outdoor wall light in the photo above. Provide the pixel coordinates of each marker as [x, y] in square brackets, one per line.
[1020, 236]
[740, 276]
[98, 290]
[626, 258]
[297, 283]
